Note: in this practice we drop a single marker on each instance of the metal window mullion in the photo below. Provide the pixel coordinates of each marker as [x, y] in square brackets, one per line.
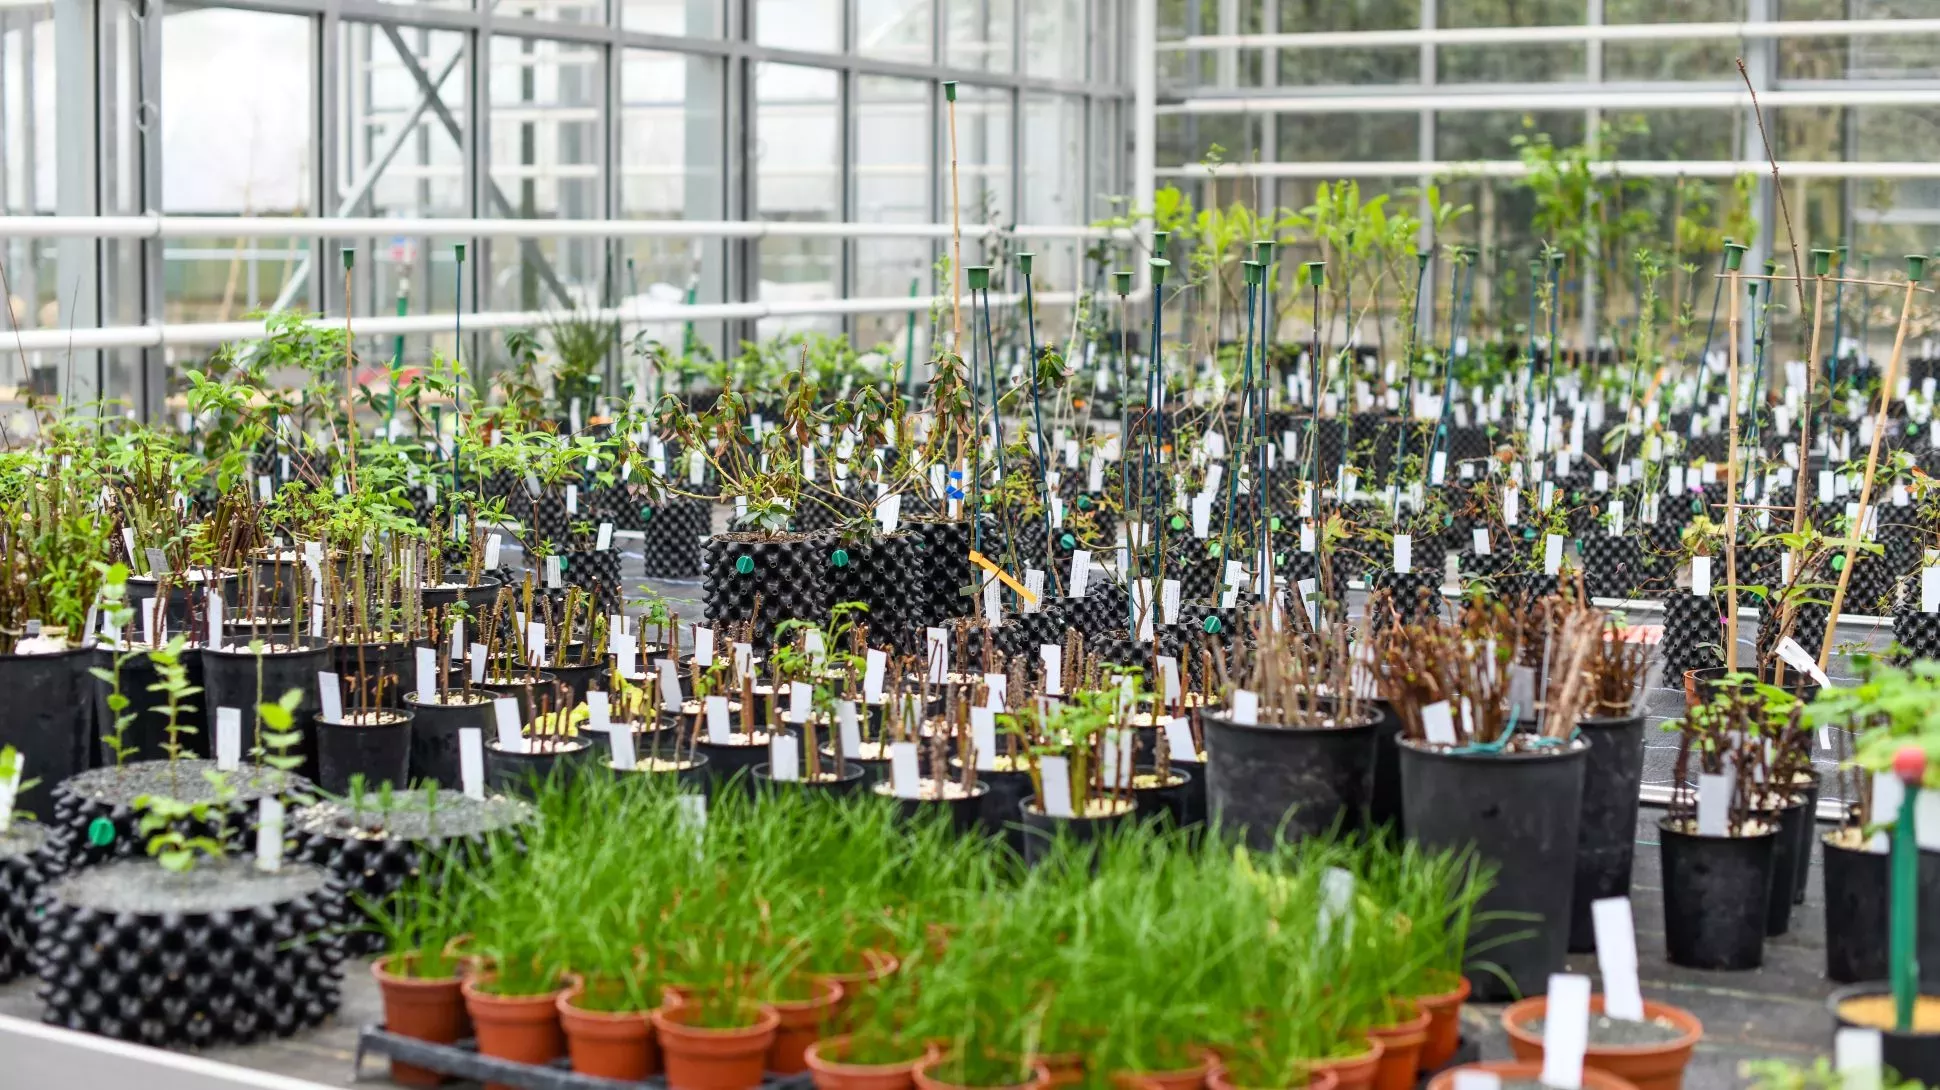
[477, 157]
[331, 139]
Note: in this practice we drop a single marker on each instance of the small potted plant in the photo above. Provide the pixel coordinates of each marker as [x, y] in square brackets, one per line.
[418, 979]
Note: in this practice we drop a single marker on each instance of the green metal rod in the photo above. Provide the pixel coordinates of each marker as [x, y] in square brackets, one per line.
[1910, 765]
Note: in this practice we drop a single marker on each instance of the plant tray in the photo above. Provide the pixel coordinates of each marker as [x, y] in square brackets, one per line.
[463, 1060]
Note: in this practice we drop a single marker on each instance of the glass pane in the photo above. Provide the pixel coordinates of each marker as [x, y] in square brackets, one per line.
[977, 34]
[1675, 134]
[983, 155]
[1300, 16]
[1545, 63]
[551, 11]
[670, 155]
[545, 148]
[892, 185]
[696, 17]
[799, 24]
[1511, 13]
[1054, 39]
[894, 29]
[1492, 134]
[1704, 59]
[796, 164]
[1054, 179]
[1185, 139]
[1685, 11]
[1325, 67]
[1375, 137]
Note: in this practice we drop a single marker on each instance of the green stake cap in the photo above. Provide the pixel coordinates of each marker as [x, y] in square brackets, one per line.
[1734, 255]
[1916, 266]
[1821, 262]
[839, 558]
[979, 277]
[950, 89]
[1263, 251]
[1067, 541]
[1159, 239]
[1556, 259]
[1123, 282]
[350, 257]
[744, 565]
[1084, 502]
[1253, 271]
[1159, 265]
[459, 249]
[1211, 625]
[1024, 263]
[1315, 272]
[1276, 523]
[101, 832]
[646, 512]
[1178, 522]
[1421, 261]
[1771, 267]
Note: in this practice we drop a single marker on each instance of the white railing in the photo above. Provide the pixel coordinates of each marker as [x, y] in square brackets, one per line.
[1568, 32]
[1513, 168]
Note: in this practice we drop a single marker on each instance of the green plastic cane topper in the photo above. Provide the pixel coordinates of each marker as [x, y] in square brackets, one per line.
[1024, 263]
[1254, 272]
[1314, 272]
[839, 558]
[1263, 251]
[1821, 262]
[950, 89]
[744, 565]
[1122, 282]
[1159, 239]
[1916, 267]
[1159, 265]
[1734, 255]
[979, 277]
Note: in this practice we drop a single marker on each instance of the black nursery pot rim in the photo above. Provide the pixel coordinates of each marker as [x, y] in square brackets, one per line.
[67, 652]
[1366, 721]
[1671, 825]
[411, 698]
[1030, 806]
[303, 645]
[369, 718]
[1929, 988]
[564, 745]
[1420, 748]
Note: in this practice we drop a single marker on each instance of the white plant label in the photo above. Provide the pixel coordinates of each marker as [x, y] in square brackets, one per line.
[1053, 658]
[872, 674]
[535, 642]
[670, 695]
[785, 758]
[605, 539]
[717, 721]
[1055, 774]
[1552, 553]
[1701, 576]
[1479, 538]
[427, 674]
[1801, 660]
[889, 511]
[703, 647]
[555, 574]
[743, 661]
[1246, 706]
[457, 639]
[477, 663]
[269, 834]
[904, 779]
[1714, 803]
[1168, 678]
[1859, 1057]
[996, 689]
[1511, 504]
[848, 727]
[993, 603]
[1616, 518]
[572, 499]
[1080, 572]
[801, 700]
[1929, 590]
[1404, 554]
[1306, 537]
[9, 790]
[492, 546]
[983, 738]
[330, 696]
[1034, 583]
[228, 739]
[1178, 739]
[505, 716]
[1170, 593]
[1616, 958]
[471, 762]
[213, 601]
[599, 713]
[1438, 723]
[1566, 1031]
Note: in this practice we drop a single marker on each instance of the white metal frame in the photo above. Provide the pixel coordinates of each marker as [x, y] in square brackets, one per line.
[1561, 33]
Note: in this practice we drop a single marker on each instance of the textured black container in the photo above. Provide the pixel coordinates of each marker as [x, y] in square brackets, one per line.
[1792, 821]
[231, 676]
[26, 864]
[1520, 812]
[1041, 830]
[1808, 785]
[1004, 792]
[848, 783]
[186, 600]
[1915, 1056]
[1857, 896]
[523, 773]
[964, 814]
[434, 736]
[45, 717]
[671, 536]
[147, 732]
[1607, 839]
[1302, 781]
[1716, 894]
[376, 745]
[724, 762]
[221, 954]
[94, 816]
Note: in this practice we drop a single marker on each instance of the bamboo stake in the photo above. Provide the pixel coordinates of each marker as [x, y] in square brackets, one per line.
[1915, 270]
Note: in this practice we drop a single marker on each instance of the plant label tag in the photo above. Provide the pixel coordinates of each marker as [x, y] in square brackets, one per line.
[889, 511]
[1511, 504]
[505, 716]
[535, 642]
[1546, 496]
[1858, 1056]
[1714, 803]
[555, 574]
[904, 781]
[1404, 554]
[427, 674]
[471, 762]
[1929, 589]
[993, 603]
[801, 700]
[1246, 707]
[1566, 1031]
[157, 561]
[492, 546]
[1178, 740]
[1168, 678]
[1701, 576]
[1438, 723]
[477, 663]
[1438, 467]
[572, 499]
[457, 638]
[228, 739]
[1799, 659]
[626, 649]
[1080, 572]
[1170, 593]
[1034, 583]
[703, 647]
[784, 758]
[983, 738]
[1466, 1079]
[1600, 480]
[1202, 514]
[1095, 474]
[743, 661]
[848, 728]
[1616, 518]
[330, 696]
[670, 696]
[1479, 539]
[937, 643]
[269, 833]
[599, 712]
[1522, 690]
[1552, 553]
[128, 542]
[1616, 957]
[996, 691]
[1307, 537]
[1052, 656]
[717, 721]
[10, 777]
[1055, 774]
[213, 602]
[605, 539]
[877, 663]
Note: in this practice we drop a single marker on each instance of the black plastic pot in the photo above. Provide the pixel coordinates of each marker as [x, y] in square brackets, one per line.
[1915, 1056]
[725, 761]
[1179, 803]
[1808, 832]
[446, 594]
[1041, 830]
[1717, 891]
[27, 862]
[380, 752]
[1607, 839]
[964, 814]
[434, 736]
[1384, 795]
[579, 680]
[693, 779]
[1857, 895]
[848, 783]
[45, 715]
[1791, 820]
[1520, 811]
[147, 730]
[1269, 780]
[181, 596]
[522, 774]
[1004, 792]
[230, 677]
[528, 691]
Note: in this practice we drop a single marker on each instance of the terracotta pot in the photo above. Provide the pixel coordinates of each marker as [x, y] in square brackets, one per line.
[609, 1044]
[1040, 1078]
[877, 964]
[1444, 1024]
[520, 1028]
[1647, 1067]
[428, 1009]
[802, 1024]
[1593, 1079]
[1321, 1080]
[713, 1059]
[830, 1073]
[1066, 1068]
[1188, 1078]
[1355, 1072]
[1401, 1052]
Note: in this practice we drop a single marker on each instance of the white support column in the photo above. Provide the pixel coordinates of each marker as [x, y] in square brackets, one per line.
[1145, 101]
[77, 174]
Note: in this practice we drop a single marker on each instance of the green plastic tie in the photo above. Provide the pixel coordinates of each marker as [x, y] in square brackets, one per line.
[744, 565]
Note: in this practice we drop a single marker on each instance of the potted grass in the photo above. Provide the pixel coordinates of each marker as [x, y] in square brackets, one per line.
[512, 997]
[1436, 893]
[418, 979]
[607, 1018]
[1299, 759]
[1613, 721]
[880, 1044]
